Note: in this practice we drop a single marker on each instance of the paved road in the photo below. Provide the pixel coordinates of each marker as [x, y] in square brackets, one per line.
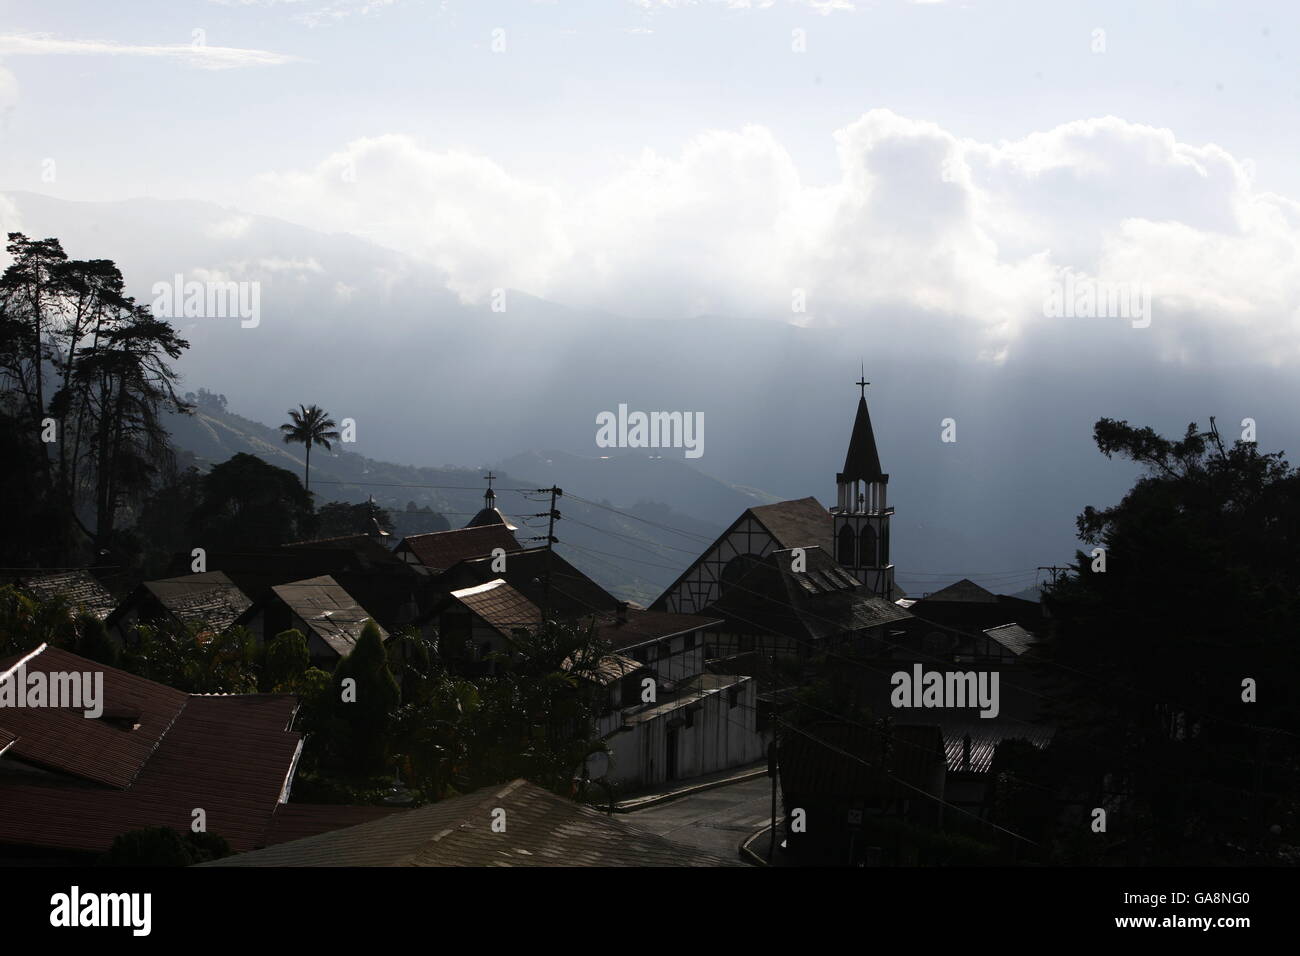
[716, 820]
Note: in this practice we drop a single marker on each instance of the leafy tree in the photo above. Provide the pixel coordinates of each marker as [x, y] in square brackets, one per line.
[362, 721]
[1200, 592]
[80, 357]
[338, 518]
[247, 503]
[308, 426]
[163, 846]
[93, 641]
[287, 659]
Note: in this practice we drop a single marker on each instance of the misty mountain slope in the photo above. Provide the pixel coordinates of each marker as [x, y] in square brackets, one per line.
[633, 555]
[375, 336]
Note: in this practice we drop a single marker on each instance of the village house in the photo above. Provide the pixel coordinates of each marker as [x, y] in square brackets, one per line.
[79, 588]
[319, 609]
[70, 784]
[209, 600]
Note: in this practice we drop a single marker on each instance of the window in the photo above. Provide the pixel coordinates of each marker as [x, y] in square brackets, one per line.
[845, 551]
[689, 720]
[733, 696]
[869, 546]
[690, 642]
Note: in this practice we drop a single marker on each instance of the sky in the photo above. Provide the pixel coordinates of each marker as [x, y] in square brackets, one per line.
[665, 159]
[784, 188]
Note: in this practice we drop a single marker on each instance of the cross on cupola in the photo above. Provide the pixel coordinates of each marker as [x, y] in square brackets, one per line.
[489, 496]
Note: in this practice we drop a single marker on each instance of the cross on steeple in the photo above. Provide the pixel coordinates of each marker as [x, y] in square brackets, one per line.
[862, 383]
[490, 495]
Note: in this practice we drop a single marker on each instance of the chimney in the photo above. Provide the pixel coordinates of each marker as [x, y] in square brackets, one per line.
[621, 613]
[965, 753]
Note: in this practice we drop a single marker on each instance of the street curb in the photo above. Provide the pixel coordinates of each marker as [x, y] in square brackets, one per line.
[748, 855]
[641, 803]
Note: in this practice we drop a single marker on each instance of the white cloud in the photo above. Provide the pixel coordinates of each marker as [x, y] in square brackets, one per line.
[8, 90]
[920, 226]
[196, 54]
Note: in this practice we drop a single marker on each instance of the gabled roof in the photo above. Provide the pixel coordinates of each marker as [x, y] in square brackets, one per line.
[499, 605]
[821, 601]
[966, 591]
[231, 755]
[490, 516]
[542, 829]
[209, 598]
[642, 626]
[439, 550]
[69, 742]
[79, 588]
[862, 463]
[1013, 637]
[801, 523]
[329, 610]
[571, 591]
[363, 544]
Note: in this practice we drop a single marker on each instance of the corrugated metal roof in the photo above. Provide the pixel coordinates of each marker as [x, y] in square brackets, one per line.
[541, 829]
[230, 756]
[97, 750]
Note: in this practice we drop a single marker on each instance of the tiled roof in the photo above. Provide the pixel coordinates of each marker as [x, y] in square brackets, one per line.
[293, 821]
[643, 626]
[439, 550]
[1013, 637]
[230, 756]
[329, 610]
[500, 605]
[541, 829]
[209, 598]
[802, 523]
[78, 588]
[822, 601]
[571, 591]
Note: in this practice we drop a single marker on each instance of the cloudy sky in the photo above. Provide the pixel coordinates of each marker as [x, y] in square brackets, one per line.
[665, 159]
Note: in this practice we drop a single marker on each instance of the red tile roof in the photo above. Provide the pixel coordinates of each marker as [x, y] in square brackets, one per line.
[230, 755]
[439, 550]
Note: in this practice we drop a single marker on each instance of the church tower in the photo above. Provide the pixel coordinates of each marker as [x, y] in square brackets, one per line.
[861, 518]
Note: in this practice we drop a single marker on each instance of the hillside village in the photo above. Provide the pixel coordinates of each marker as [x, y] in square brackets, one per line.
[725, 675]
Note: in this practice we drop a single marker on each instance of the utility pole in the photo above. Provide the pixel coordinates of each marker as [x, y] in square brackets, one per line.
[554, 516]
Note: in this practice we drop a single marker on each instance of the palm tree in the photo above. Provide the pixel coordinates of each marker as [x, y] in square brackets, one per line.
[310, 426]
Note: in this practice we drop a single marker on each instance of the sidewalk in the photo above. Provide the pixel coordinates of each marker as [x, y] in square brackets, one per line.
[683, 788]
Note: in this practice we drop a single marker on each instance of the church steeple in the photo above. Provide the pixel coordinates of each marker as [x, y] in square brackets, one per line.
[862, 463]
[861, 517]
